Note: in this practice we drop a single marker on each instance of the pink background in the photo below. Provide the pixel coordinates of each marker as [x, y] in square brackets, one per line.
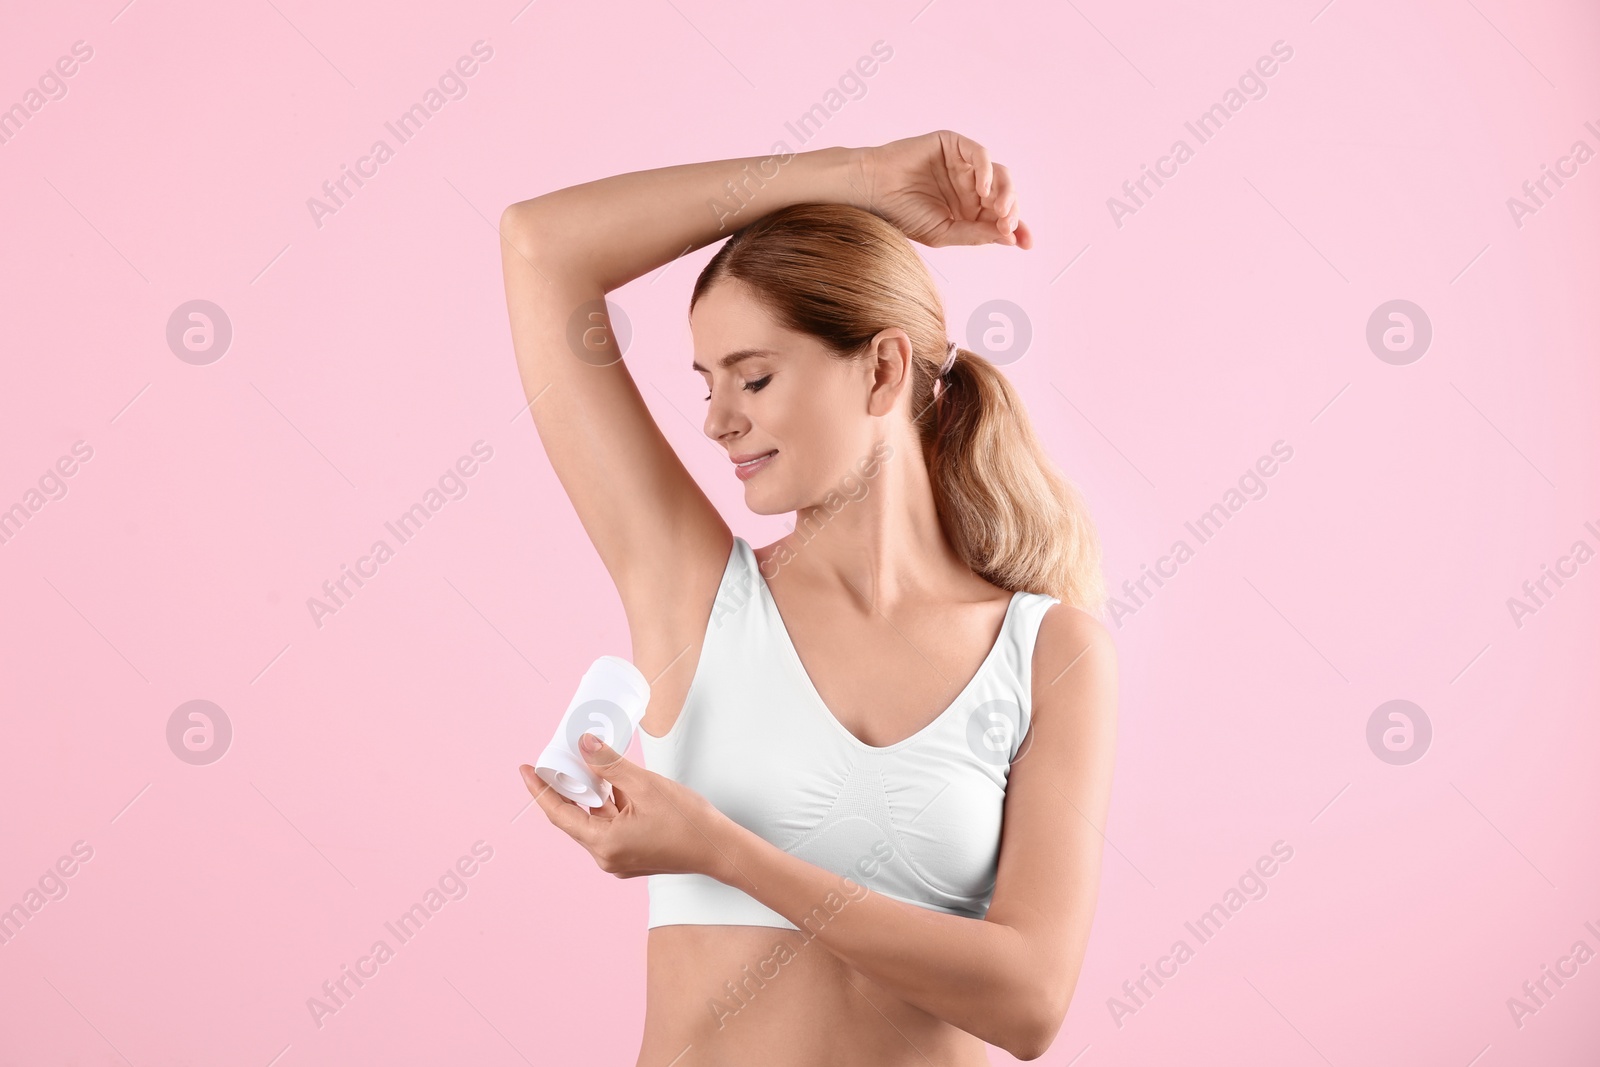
[370, 353]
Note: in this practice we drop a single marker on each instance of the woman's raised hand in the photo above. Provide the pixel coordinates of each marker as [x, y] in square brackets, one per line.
[941, 188]
[652, 824]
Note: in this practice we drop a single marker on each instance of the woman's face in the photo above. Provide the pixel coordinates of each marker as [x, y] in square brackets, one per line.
[783, 396]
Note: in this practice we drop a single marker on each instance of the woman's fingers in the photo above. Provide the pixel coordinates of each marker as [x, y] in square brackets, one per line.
[999, 203]
[991, 191]
[1003, 201]
[1008, 224]
[570, 818]
[977, 156]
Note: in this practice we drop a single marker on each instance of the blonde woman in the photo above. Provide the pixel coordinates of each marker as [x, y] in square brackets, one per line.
[880, 749]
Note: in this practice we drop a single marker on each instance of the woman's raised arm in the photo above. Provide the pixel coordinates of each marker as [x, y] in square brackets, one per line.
[660, 539]
[608, 232]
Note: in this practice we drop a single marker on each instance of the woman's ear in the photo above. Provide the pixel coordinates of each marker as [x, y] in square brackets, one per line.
[890, 360]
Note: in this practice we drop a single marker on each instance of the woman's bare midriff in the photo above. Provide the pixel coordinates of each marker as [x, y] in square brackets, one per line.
[755, 996]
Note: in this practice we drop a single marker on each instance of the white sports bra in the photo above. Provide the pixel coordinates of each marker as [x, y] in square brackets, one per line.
[918, 820]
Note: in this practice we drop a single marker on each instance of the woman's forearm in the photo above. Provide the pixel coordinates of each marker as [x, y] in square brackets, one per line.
[973, 974]
[613, 230]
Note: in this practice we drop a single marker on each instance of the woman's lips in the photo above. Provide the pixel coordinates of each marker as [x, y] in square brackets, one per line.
[746, 471]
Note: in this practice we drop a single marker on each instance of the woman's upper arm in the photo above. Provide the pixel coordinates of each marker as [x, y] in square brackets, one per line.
[1057, 798]
[660, 539]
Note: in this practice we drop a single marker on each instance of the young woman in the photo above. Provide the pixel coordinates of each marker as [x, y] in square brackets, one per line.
[842, 723]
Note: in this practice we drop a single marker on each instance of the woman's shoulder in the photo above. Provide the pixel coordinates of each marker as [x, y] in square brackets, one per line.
[1066, 637]
[1069, 618]
[1073, 653]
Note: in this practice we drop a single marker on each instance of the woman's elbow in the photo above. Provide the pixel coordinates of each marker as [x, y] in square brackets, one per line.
[518, 226]
[1038, 1028]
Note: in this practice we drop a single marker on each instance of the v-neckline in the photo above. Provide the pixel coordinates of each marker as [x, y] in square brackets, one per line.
[822, 705]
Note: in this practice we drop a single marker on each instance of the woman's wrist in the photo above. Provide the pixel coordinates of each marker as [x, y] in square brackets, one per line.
[728, 841]
[837, 176]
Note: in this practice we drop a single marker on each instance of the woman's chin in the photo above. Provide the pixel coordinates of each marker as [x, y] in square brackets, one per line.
[762, 501]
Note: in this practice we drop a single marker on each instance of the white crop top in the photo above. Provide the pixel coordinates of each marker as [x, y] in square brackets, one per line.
[918, 820]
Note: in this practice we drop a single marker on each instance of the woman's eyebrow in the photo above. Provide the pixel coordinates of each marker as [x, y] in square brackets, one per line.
[733, 358]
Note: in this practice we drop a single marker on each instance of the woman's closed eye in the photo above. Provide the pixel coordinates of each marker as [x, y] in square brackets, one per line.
[754, 386]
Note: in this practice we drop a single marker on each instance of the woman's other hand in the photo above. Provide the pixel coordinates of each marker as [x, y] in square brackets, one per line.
[942, 189]
[652, 824]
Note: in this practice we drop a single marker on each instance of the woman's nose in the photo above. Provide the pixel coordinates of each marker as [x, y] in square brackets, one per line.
[721, 419]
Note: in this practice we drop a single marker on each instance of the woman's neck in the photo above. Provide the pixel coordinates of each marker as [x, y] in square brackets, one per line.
[883, 545]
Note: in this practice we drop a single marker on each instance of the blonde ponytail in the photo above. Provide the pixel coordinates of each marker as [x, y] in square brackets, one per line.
[1006, 508]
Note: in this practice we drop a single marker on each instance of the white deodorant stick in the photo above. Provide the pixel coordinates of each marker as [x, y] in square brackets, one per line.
[609, 703]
